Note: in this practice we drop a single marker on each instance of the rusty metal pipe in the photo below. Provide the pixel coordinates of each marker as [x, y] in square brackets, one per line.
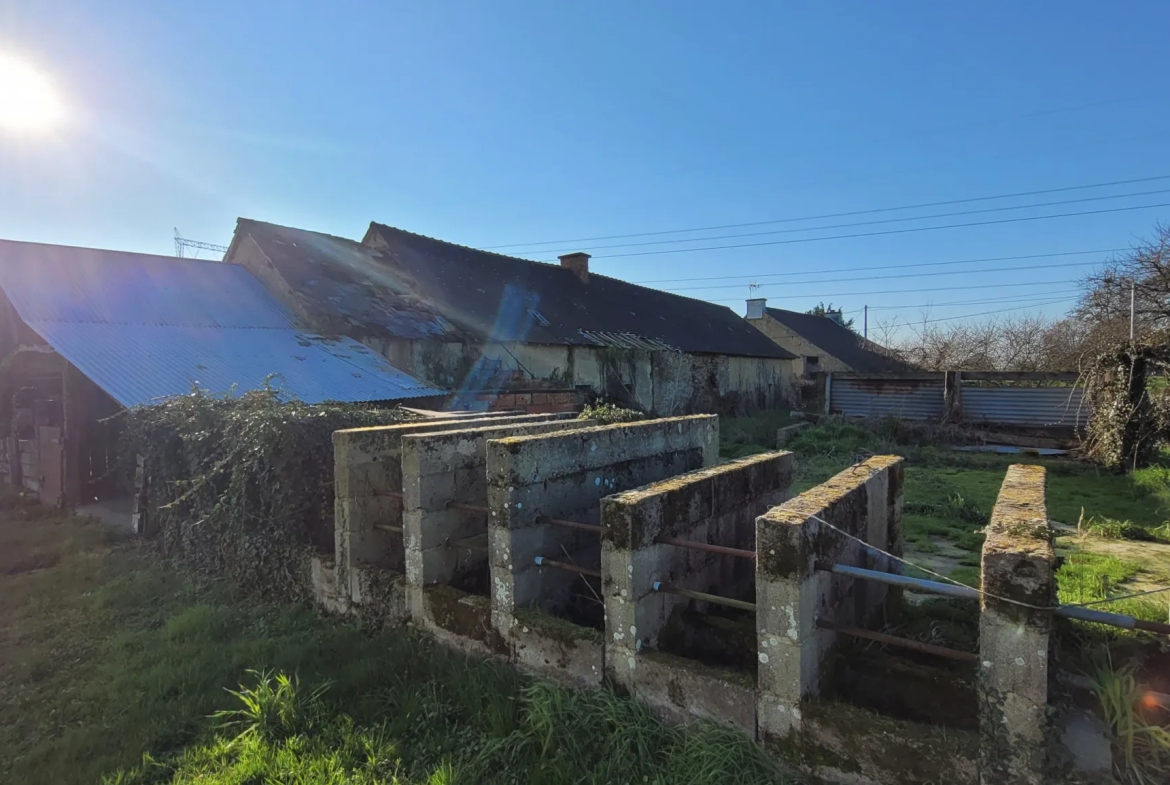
[466, 507]
[387, 494]
[723, 550]
[585, 527]
[385, 527]
[905, 643]
[560, 565]
[698, 595]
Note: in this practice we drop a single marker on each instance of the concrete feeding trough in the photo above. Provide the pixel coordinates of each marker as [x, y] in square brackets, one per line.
[546, 593]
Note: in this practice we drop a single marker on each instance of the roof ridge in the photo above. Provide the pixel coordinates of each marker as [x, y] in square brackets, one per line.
[160, 257]
[548, 265]
[358, 243]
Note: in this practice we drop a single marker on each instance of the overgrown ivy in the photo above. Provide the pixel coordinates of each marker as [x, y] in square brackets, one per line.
[242, 487]
[1130, 418]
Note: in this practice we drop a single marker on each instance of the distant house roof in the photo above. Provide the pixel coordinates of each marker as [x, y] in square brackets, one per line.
[145, 328]
[341, 284]
[508, 299]
[841, 342]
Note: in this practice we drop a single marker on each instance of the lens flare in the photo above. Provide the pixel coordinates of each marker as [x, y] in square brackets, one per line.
[28, 100]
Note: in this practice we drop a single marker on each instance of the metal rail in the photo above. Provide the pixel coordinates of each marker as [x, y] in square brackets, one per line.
[698, 595]
[1112, 619]
[385, 527]
[932, 587]
[722, 550]
[905, 643]
[585, 527]
[560, 565]
[1077, 612]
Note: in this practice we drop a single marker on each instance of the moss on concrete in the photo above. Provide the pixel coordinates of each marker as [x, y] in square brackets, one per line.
[556, 628]
[467, 615]
[737, 677]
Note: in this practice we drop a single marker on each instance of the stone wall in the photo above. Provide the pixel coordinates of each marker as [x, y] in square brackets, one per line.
[719, 506]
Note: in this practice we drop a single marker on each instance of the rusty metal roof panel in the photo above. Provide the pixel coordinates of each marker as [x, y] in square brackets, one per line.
[145, 328]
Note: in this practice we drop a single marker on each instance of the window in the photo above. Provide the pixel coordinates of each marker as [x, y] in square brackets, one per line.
[812, 364]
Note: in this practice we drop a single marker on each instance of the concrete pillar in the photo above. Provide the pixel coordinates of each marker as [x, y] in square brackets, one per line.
[827, 523]
[1017, 572]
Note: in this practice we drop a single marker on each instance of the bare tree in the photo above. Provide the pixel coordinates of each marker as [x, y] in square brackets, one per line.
[1144, 274]
[1022, 343]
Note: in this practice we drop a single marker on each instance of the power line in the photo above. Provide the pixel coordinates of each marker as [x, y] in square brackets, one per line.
[872, 211]
[885, 232]
[903, 291]
[1012, 299]
[758, 276]
[868, 223]
[902, 275]
[1003, 310]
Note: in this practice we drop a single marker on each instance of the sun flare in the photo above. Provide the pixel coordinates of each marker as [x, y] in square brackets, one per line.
[28, 100]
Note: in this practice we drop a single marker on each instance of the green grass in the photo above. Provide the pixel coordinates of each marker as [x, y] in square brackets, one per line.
[107, 656]
[744, 436]
[949, 497]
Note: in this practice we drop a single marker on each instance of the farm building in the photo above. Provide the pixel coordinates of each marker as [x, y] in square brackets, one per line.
[85, 333]
[821, 342]
[481, 324]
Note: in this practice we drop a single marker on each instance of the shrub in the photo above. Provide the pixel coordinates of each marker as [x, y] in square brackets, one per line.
[609, 414]
[242, 487]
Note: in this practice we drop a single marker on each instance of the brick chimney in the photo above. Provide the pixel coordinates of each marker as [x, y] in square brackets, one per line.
[578, 263]
[755, 308]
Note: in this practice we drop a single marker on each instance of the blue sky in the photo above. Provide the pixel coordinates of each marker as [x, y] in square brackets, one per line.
[501, 123]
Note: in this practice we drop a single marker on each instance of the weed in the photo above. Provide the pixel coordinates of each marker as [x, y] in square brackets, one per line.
[610, 413]
[1141, 747]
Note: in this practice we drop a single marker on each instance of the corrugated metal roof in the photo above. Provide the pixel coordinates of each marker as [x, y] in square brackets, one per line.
[626, 341]
[145, 328]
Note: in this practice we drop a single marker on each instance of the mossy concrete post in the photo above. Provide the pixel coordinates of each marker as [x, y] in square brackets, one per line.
[716, 505]
[443, 468]
[367, 466]
[828, 523]
[1019, 589]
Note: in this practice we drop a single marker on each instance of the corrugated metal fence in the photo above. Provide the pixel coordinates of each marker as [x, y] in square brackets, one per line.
[912, 397]
[1034, 400]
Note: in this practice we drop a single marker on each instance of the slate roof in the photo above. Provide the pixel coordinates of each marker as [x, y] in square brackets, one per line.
[841, 342]
[344, 285]
[147, 327]
[510, 299]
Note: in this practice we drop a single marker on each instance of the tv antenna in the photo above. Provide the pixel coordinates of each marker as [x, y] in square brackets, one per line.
[183, 246]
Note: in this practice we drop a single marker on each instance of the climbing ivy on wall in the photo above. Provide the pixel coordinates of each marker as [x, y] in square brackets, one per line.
[242, 487]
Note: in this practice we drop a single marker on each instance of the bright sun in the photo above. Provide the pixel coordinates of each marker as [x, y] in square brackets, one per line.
[28, 102]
